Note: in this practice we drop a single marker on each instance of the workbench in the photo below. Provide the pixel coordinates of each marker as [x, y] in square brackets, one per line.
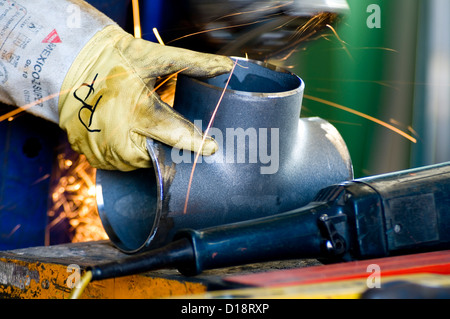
[49, 272]
[43, 272]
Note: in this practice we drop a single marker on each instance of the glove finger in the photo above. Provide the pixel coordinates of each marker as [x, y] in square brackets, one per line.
[197, 64]
[152, 60]
[166, 125]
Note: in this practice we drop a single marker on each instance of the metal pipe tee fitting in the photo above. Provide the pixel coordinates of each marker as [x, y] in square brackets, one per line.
[269, 161]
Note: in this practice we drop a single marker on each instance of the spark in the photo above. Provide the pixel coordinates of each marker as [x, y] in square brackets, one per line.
[368, 117]
[42, 178]
[68, 163]
[16, 228]
[289, 54]
[221, 28]
[344, 44]
[386, 83]
[136, 19]
[335, 33]
[413, 131]
[92, 190]
[204, 138]
[158, 37]
[377, 48]
[268, 8]
[28, 106]
[167, 79]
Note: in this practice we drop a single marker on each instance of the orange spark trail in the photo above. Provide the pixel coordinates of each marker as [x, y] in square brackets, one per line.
[165, 80]
[136, 19]
[204, 138]
[344, 44]
[370, 118]
[257, 10]
[20, 109]
[216, 29]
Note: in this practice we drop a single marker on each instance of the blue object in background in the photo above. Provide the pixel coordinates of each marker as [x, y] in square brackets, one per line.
[151, 17]
[117, 10]
[26, 159]
[153, 14]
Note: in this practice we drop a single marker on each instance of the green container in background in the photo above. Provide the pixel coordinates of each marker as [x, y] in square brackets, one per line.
[372, 71]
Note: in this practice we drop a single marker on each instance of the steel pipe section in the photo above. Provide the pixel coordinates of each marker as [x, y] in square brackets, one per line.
[270, 161]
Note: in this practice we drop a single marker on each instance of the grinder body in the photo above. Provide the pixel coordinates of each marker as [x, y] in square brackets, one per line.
[392, 214]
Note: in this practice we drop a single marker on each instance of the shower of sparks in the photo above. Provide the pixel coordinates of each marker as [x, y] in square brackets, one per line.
[267, 18]
[306, 31]
[73, 199]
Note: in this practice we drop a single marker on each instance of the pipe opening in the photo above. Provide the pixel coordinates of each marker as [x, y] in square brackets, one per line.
[256, 77]
[128, 206]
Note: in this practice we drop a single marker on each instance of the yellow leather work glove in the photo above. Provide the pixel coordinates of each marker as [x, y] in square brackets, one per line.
[108, 106]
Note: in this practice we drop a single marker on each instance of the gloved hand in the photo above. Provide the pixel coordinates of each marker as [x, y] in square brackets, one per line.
[111, 107]
[82, 71]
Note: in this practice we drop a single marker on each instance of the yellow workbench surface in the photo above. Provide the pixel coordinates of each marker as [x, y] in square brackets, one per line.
[51, 271]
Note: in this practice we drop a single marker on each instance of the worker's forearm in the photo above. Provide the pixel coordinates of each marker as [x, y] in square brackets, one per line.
[39, 40]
